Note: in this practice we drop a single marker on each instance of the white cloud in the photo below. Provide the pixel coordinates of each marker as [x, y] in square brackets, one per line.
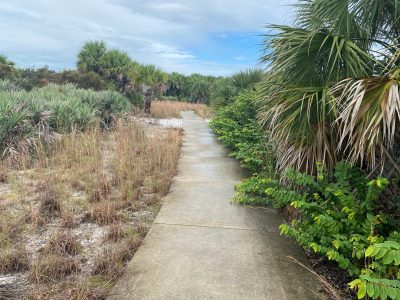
[166, 33]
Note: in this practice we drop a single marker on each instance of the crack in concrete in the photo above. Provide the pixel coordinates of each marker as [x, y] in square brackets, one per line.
[205, 226]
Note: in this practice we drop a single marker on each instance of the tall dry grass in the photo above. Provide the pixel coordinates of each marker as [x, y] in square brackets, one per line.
[97, 180]
[172, 109]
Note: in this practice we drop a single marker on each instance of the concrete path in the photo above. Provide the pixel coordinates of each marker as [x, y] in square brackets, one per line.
[203, 247]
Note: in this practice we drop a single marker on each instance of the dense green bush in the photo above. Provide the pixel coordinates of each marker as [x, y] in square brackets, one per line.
[7, 69]
[73, 107]
[30, 78]
[337, 216]
[236, 126]
[84, 80]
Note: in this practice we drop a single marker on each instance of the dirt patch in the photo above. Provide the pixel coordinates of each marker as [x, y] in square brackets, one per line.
[337, 278]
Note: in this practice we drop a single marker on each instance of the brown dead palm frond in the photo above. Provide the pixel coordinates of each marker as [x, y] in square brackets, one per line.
[299, 119]
[369, 115]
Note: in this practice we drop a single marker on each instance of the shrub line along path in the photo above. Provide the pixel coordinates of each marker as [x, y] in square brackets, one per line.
[202, 247]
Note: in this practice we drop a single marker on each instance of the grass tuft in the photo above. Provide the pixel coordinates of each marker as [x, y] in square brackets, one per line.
[92, 288]
[3, 174]
[16, 259]
[108, 265]
[68, 219]
[52, 267]
[49, 202]
[115, 232]
[103, 213]
[62, 243]
[111, 262]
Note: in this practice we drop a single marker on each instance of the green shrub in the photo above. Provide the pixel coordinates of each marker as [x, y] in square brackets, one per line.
[84, 80]
[236, 126]
[253, 190]
[30, 78]
[338, 216]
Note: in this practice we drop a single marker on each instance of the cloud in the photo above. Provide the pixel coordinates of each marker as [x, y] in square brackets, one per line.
[185, 36]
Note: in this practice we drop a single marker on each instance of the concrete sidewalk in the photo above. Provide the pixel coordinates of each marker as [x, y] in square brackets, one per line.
[203, 247]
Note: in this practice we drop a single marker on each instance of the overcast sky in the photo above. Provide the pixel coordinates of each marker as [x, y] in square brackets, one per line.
[206, 36]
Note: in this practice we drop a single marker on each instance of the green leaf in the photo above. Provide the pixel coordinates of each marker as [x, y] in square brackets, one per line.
[362, 290]
[388, 258]
[381, 253]
[354, 283]
[383, 292]
[370, 290]
[369, 251]
[392, 293]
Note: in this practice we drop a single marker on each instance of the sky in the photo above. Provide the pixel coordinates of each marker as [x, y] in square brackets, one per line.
[211, 37]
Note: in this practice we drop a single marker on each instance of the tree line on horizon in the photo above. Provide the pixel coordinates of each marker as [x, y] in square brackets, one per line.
[100, 68]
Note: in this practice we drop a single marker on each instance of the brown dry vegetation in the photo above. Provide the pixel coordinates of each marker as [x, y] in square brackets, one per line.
[76, 210]
[172, 109]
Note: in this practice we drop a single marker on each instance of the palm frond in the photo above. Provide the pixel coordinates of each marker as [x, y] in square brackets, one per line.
[381, 18]
[314, 58]
[369, 116]
[334, 15]
[299, 120]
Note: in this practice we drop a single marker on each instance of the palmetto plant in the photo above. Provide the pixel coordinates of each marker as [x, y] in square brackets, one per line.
[332, 89]
[12, 117]
[247, 78]
[58, 108]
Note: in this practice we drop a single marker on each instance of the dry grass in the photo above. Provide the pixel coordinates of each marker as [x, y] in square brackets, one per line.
[115, 232]
[52, 267]
[3, 174]
[111, 262]
[49, 201]
[92, 288]
[62, 243]
[14, 259]
[103, 213]
[68, 219]
[172, 109]
[78, 194]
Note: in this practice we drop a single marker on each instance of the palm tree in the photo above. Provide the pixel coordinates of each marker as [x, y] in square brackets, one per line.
[90, 56]
[176, 84]
[332, 90]
[116, 62]
[200, 91]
